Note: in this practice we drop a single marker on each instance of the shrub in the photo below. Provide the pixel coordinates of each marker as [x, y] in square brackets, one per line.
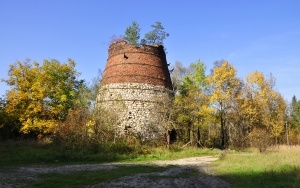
[260, 139]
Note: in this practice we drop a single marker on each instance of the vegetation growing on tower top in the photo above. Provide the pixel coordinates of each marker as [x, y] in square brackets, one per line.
[154, 37]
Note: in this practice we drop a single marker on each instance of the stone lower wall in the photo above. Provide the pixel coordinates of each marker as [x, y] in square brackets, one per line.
[139, 106]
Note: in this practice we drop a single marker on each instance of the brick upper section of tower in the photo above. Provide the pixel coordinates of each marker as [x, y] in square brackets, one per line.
[129, 63]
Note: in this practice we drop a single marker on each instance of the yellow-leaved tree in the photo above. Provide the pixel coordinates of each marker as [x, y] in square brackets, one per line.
[41, 95]
[264, 109]
[225, 89]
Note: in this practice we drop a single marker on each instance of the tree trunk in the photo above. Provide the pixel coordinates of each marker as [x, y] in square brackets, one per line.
[191, 136]
[287, 133]
[222, 132]
[168, 139]
[198, 138]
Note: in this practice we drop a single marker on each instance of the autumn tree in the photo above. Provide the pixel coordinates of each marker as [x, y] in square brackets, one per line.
[246, 112]
[41, 95]
[225, 88]
[264, 109]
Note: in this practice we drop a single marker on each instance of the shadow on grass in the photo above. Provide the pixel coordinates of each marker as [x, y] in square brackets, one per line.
[288, 176]
[23, 153]
[117, 175]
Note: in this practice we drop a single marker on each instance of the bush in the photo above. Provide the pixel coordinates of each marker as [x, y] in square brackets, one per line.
[260, 139]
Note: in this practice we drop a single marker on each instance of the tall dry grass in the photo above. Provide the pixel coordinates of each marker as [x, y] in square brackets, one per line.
[279, 166]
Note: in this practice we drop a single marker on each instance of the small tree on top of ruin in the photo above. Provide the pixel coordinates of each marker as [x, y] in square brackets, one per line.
[132, 33]
[156, 36]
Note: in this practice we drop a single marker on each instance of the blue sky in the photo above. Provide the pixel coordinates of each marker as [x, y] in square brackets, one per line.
[261, 35]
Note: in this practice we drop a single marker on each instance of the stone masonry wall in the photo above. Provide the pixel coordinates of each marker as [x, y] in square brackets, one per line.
[137, 106]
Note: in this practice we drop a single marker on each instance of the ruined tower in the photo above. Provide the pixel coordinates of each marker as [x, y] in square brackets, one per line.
[136, 85]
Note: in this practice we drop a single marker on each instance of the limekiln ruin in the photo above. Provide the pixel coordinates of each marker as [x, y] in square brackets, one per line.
[136, 85]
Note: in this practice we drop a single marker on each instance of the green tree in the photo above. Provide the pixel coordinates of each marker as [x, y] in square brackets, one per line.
[295, 112]
[41, 96]
[9, 124]
[132, 33]
[294, 120]
[191, 101]
[156, 36]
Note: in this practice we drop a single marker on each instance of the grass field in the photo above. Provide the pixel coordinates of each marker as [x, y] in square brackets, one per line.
[278, 167]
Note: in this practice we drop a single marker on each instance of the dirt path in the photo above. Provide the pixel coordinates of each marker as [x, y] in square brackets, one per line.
[177, 175]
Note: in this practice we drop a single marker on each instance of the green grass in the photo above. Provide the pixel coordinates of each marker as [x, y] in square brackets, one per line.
[278, 167]
[25, 153]
[84, 178]
[170, 154]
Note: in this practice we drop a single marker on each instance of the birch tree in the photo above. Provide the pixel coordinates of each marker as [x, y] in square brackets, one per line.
[225, 88]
